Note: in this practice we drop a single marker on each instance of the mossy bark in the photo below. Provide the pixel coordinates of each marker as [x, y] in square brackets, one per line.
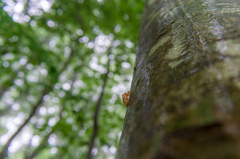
[185, 95]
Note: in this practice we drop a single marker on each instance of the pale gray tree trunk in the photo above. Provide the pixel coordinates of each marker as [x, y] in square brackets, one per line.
[185, 95]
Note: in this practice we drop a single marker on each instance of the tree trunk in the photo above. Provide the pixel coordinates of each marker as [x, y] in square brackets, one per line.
[185, 95]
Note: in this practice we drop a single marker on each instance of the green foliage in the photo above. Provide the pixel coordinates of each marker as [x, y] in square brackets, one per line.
[63, 52]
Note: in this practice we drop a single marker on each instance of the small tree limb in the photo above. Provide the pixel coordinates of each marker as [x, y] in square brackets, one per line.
[96, 114]
[3, 153]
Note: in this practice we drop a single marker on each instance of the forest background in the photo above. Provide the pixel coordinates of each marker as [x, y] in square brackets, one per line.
[64, 66]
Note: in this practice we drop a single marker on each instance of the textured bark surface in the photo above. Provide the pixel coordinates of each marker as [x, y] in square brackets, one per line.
[185, 95]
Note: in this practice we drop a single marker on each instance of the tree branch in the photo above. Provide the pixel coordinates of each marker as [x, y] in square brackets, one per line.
[44, 141]
[96, 114]
[3, 153]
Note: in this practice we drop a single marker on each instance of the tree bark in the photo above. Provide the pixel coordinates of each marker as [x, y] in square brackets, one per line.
[185, 94]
